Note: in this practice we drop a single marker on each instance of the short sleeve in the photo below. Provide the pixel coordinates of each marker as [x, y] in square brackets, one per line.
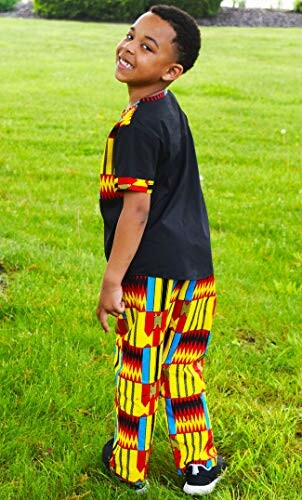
[135, 158]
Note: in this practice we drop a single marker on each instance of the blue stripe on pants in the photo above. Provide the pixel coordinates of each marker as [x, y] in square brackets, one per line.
[146, 366]
[150, 294]
[170, 417]
[190, 290]
[142, 433]
[205, 409]
[173, 348]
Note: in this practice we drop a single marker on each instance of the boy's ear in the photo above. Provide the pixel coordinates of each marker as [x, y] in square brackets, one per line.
[172, 72]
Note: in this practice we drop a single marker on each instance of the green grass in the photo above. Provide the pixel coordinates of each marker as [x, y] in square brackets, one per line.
[58, 100]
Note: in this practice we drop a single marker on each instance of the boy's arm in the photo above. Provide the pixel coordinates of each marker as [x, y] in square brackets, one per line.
[128, 235]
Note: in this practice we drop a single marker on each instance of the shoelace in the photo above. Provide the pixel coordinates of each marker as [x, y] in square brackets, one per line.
[195, 468]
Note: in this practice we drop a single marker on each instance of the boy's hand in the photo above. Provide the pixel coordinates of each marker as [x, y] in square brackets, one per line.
[110, 302]
[128, 234]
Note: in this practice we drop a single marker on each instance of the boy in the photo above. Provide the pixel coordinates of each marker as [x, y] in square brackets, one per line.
[159, 277]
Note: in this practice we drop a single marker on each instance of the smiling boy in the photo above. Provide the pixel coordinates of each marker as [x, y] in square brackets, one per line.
[158, 281]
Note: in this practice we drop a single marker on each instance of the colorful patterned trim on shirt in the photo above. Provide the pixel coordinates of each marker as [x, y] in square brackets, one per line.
[133, 184]
[113, 187]
[155, 97]
[107, 187]
[106, 161]
[127, 116]
[128, 113]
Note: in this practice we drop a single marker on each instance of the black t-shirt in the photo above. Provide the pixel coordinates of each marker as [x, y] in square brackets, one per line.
[151, 150]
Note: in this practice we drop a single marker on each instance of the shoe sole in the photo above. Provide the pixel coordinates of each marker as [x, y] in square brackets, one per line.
[190, 489]
[144, 489]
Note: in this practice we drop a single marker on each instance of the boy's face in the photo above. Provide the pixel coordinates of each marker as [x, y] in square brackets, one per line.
[147, 56]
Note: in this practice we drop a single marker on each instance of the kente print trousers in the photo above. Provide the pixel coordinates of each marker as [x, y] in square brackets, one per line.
[161, 341]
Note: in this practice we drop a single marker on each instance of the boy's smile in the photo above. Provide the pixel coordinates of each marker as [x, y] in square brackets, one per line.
[146, 57]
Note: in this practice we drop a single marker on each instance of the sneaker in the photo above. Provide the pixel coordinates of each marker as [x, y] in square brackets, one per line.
[202, 480]
[140, 488]
[107, 452]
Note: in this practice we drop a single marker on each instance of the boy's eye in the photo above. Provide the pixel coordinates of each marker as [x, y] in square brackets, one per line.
[129, 36]
[146, 47]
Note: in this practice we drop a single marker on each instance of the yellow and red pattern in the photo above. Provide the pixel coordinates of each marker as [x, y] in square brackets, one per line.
[134, 294]
[143, 329]
[162, 339]
[190, 344]
[127, 116]
[204, 288]
[179, 380]
[189, 417]
[131, 368]
[137, 399]
[199, 443]
[107, 187]
[132, 184]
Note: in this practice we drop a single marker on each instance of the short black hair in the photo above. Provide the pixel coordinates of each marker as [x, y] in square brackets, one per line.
[187, 40]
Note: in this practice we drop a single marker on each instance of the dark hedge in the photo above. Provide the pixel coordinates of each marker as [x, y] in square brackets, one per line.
[7, 5]
[117, 10]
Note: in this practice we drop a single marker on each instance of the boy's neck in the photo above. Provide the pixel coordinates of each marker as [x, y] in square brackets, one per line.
[138, 93]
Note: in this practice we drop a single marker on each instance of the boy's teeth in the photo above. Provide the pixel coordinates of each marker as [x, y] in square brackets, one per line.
[129, 66]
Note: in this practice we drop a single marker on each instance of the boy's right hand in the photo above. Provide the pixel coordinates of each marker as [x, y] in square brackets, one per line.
[110, 302]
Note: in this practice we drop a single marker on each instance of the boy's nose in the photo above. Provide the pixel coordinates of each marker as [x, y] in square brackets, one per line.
[130, 46]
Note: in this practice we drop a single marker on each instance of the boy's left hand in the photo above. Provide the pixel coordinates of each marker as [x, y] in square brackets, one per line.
[127, 237]
[110, 302]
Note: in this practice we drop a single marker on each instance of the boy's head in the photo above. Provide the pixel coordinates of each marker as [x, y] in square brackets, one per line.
[187, 41]
[162, 44]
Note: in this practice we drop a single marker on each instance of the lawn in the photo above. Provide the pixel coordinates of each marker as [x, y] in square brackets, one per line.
[58, 100]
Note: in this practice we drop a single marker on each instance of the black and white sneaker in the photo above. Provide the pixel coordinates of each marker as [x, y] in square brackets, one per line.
[140, 488]
[107, 452]
[202, 480]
